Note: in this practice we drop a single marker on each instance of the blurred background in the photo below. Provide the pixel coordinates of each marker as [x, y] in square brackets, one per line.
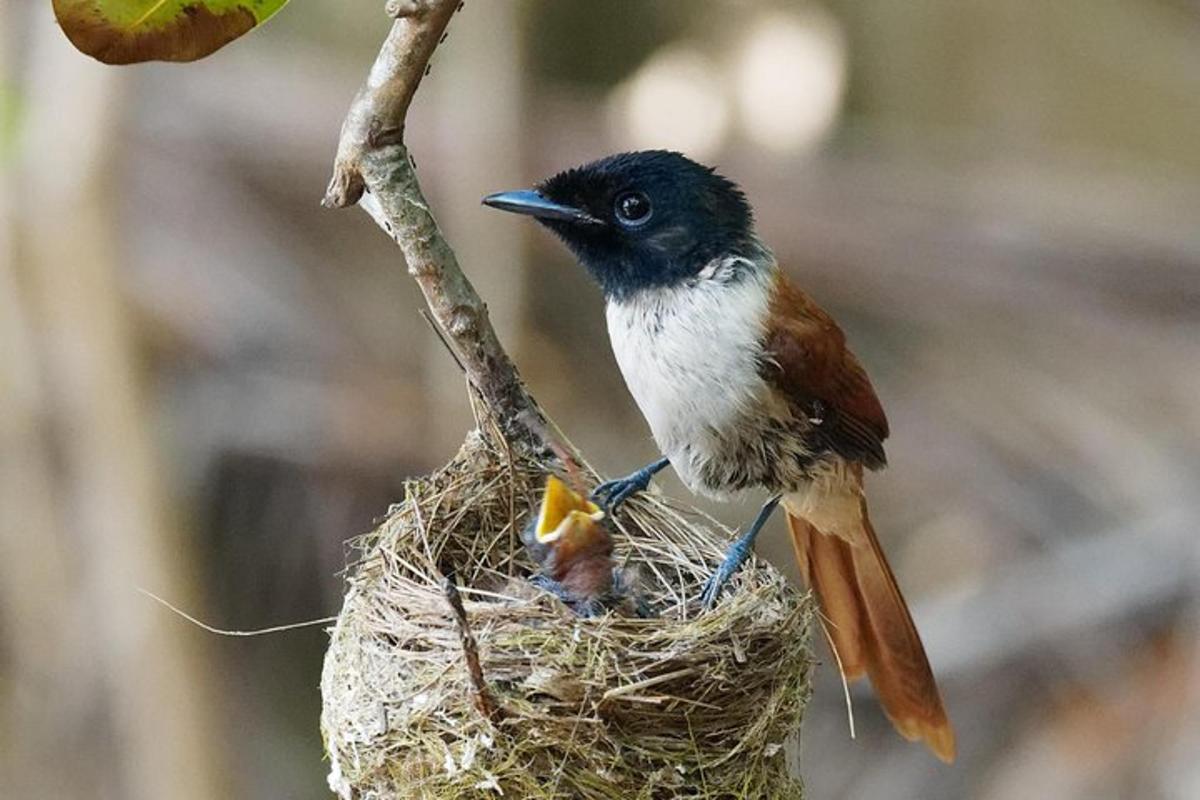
[208, 383]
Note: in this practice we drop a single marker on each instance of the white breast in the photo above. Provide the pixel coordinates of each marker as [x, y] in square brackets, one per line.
[689, 355]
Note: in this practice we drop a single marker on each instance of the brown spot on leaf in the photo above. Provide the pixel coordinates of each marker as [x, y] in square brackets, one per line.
[194, 33]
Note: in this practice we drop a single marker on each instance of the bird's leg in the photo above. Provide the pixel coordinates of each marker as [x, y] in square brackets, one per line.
[583, 606]
[623, 588]
[737, 554]
[548, 584]
[611, 494]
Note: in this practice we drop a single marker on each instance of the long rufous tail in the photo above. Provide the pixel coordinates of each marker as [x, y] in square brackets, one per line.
[868, 624]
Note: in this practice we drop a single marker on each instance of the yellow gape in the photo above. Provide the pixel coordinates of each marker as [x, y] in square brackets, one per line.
[566, 517]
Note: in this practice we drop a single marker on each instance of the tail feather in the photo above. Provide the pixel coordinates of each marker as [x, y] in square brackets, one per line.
[872, 630]
[829, 571]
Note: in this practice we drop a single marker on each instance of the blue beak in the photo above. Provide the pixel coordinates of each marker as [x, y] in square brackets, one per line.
[531, 203]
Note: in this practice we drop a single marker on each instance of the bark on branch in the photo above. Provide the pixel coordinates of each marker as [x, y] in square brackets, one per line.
[374, 170]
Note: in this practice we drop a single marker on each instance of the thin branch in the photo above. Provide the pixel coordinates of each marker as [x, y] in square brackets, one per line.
[376, 117]
[373, 169]
[483, 696]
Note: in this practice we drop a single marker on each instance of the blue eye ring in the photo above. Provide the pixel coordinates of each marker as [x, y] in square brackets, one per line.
[632, 209]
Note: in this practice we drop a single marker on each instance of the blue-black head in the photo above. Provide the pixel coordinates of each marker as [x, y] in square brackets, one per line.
[641, 220]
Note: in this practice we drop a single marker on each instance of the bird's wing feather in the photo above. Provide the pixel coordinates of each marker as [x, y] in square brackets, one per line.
[806, 358]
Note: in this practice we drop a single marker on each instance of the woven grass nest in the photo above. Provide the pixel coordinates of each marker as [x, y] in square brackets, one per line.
[682, 704]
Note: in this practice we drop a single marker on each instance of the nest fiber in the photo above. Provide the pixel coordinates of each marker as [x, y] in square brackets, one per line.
[684, 704]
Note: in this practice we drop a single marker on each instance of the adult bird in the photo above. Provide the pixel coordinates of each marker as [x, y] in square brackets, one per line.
[746, 383]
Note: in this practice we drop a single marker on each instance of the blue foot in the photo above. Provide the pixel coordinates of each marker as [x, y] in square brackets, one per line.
[621, 596]
[623, 590]
[611, 494]
[548, 584]
[736, 556]
[584, 607]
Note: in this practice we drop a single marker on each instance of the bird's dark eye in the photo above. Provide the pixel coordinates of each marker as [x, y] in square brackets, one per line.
[632, 208]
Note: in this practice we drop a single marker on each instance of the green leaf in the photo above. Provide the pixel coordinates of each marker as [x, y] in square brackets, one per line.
[129, 31]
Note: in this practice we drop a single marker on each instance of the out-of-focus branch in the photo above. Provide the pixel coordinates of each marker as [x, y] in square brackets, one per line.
[373, 168]
[84, 514]
[1047, 600]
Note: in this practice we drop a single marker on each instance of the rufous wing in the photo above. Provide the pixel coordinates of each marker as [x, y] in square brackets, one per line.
[807, 360]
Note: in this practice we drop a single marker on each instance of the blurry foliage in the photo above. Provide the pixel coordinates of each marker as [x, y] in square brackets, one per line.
[10, 119]
[351, 28]
[1115, 78]
[583, 43]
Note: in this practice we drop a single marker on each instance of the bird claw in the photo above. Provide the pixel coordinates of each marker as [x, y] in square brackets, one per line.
[622, 597]
[715, 585]
[611, 494]
[737, 555]
[584, 607]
